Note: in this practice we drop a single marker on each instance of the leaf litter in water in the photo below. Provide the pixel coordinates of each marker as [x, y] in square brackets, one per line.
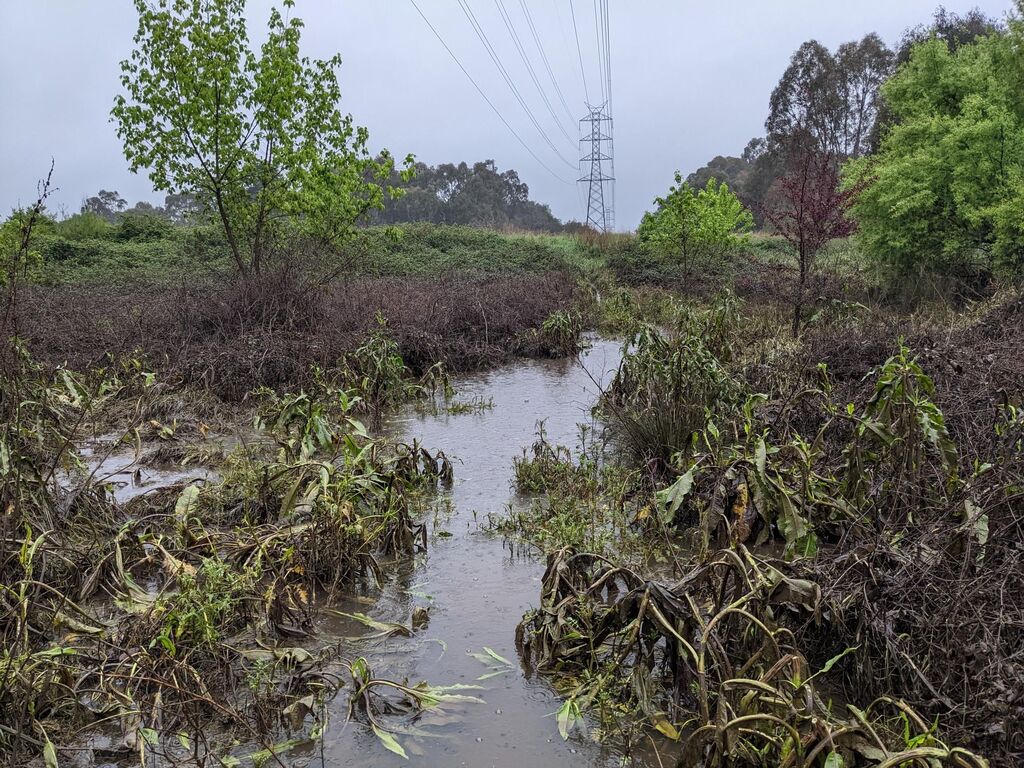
[495, 662]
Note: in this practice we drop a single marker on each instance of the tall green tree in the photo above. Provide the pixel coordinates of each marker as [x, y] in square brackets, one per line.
[691, 226]
[831, 97]
[255, 136]
[945, 192]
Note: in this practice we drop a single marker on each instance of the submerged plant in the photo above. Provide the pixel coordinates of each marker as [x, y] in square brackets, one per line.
[392, 709]
[709, 662]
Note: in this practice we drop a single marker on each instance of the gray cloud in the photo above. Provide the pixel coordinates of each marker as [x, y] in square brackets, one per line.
[691, 80]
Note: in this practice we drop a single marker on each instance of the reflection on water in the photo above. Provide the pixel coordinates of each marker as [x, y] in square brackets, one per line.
[109, 463]
[475, 586]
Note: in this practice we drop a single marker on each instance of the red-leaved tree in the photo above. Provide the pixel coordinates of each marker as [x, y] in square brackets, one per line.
[808, 207]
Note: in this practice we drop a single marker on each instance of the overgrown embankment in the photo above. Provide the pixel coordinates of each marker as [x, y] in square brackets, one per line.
[778, 564]
[467, 298]
[234, 337]
[86, 249]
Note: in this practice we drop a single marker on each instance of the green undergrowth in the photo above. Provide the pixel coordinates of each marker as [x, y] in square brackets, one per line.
[86, 249]
[194, 603]
[427, 249]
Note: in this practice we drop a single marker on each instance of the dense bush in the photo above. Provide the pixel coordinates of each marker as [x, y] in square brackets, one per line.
[944, 194]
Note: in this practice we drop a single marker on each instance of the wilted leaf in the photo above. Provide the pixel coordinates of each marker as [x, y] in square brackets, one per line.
[497, 657]
[187, 502]
[666, 728]
[294, 655]
[50, 755]
[389, 742]
[383, 628]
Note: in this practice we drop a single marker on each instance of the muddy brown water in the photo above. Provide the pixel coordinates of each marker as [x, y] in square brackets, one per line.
[474, 583]
[476, 586]
[126, 475]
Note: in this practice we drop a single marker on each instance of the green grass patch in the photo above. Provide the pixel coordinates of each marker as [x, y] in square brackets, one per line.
[89, 250]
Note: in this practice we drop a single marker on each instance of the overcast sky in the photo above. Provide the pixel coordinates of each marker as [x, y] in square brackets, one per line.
[691, 80]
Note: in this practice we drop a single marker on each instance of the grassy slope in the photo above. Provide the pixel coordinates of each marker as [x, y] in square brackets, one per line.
[156, 252]
[88, 251]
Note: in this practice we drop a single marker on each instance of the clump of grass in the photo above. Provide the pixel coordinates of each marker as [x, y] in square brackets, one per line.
[670, 383]
[561, 334]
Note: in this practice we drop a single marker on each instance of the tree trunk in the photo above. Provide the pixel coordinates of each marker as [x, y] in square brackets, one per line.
[229, 232]
[798, 305]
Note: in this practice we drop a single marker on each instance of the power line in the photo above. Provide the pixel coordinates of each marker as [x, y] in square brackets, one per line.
[484, 96]
[566, 43]
[606, 21]
[505, 17]
[482, 35]
[607, 50]
[579, 51]
[598, 4]
[544, 58]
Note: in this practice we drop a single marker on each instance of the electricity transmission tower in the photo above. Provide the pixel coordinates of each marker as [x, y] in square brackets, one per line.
[596, 157]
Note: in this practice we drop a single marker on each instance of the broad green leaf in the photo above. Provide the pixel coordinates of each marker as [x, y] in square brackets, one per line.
[568, 716]
[390, 742]
[760, 456]
[186, 505]
[671, 498]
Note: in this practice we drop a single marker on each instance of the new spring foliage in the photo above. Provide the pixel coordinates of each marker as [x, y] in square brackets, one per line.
[691, 225]
[256, 136]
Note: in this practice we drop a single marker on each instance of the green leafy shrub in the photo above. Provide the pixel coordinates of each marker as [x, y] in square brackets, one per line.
[693, 226]
[666, 388]
[942, 197]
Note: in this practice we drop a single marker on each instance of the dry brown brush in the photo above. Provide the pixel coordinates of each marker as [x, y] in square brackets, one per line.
[233, 337]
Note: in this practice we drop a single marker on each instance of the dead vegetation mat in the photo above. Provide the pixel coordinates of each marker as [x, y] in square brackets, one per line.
[232, 337]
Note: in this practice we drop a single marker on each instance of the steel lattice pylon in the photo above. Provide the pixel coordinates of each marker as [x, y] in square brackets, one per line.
[596, 155]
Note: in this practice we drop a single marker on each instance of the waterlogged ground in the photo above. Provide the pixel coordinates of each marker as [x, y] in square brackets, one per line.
[126, 475]
[475, 586]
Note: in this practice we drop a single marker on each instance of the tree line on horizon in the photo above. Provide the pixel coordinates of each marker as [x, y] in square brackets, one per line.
[475, 195]
[835, 99]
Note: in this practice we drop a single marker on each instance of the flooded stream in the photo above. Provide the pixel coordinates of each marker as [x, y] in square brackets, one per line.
[475, 586]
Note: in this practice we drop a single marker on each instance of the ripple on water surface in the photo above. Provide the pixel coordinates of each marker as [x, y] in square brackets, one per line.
[476, 586]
